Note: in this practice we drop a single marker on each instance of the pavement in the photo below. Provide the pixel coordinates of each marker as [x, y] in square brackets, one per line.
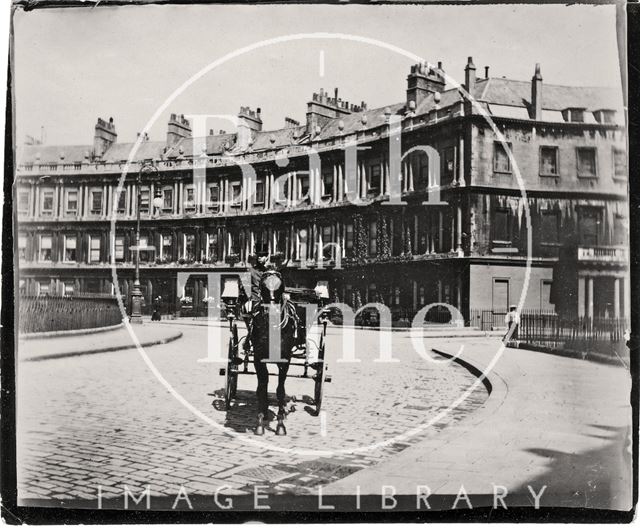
[148, 334]
[107, 420]
[115, 420]
[550, 421]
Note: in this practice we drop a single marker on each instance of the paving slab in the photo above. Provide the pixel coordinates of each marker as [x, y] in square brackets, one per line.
[550, 421]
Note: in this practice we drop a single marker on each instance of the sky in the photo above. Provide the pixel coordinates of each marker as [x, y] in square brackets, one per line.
[72, 66]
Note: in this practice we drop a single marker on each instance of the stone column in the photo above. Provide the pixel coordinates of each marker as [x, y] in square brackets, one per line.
[152, 195]
[590, 297]
[616, 298]
[460, 166]
[626, 297]
[440, 232]
[410, 183]
[459, 233]
[174, 209]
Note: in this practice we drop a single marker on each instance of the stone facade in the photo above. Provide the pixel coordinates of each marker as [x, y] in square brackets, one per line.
[318, 197]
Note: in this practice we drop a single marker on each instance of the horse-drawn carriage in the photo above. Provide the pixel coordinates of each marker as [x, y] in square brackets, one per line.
[283, 311]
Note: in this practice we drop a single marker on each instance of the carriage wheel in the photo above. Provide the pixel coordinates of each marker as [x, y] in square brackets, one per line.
[321, 375]
[231, 380]
[319, 382]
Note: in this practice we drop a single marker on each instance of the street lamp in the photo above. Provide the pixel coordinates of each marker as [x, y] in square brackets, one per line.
[136, 294]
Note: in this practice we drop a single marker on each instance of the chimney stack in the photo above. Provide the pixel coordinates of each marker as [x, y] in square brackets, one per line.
[177, 128]
[423, 80]
[105, 136]
[290, 122]
[470, 76]
[486, 72]
[323, 108]
[469, 85]
[536, 94]
[249, 122]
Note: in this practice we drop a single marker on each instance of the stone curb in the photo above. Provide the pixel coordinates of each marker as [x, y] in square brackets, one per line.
[496, 387]
[68, 333]
[117, 348]
[469, 366]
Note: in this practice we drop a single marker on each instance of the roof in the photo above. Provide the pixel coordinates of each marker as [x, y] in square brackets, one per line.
[554, 97]
[52, 153]
[504, 97]
[147, 150]
[281, 138]
[216, 146]
[353, 122]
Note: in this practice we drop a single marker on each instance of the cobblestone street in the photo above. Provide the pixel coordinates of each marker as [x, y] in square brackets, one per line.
[105, 420]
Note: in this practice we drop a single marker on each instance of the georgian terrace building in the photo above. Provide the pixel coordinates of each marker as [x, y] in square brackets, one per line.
[467, 248]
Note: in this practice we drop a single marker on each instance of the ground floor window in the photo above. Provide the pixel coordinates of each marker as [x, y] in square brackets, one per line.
[500, 296]
[373, 238]
[44, 287]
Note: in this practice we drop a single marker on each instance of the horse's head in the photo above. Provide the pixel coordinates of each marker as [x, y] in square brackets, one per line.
[271, 287]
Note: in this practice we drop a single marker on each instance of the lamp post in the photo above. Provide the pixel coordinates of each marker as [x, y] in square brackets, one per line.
[136, 294]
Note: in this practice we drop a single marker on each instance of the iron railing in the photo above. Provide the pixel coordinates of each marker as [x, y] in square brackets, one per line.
[553, 331]
[50, 313]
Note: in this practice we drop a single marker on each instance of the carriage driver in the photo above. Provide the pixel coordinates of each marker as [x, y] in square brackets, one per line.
[257, 271]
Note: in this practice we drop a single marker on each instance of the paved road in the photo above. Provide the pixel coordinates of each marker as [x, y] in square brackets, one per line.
[105, 420]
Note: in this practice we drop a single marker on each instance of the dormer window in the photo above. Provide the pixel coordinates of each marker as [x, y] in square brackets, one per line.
[605, 116]
[573, 115]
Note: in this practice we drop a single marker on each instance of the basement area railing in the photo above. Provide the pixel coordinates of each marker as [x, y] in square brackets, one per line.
[46, 313]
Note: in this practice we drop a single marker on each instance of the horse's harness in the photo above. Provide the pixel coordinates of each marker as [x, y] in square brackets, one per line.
[272, 292]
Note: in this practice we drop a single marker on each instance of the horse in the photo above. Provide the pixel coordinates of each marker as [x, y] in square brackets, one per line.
[275, 314]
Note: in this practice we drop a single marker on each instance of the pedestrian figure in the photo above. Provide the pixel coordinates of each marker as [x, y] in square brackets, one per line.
[155, 316]
[512, 319]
